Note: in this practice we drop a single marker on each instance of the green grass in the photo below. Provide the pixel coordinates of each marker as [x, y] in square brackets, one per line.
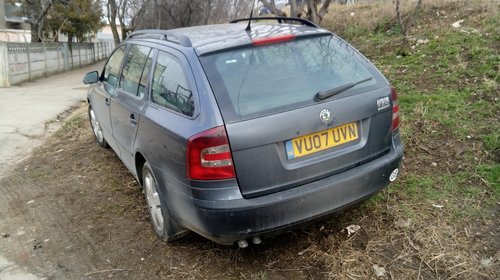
[456, 193]
[72, 124]
[450, 87]
[454, 78]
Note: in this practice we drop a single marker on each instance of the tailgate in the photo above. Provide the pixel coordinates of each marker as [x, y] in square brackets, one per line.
[263, 163]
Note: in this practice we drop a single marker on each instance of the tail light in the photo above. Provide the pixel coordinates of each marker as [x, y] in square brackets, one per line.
[395, 109]
[209, 156]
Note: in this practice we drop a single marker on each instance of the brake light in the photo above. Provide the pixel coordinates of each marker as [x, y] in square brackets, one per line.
[395, 109]
[209, 156]
[273, 39]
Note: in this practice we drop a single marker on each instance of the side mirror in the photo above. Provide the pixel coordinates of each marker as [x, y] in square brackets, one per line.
[91, 78]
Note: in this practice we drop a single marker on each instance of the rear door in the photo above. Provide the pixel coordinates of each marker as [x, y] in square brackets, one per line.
[129, 101]
[280, 136]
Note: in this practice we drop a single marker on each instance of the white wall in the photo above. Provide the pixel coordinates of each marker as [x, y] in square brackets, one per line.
[26, 61]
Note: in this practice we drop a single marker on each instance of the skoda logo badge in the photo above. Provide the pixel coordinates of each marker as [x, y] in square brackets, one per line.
[325, 116]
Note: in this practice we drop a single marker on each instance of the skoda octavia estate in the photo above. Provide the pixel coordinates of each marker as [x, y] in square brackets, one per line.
[243, 130]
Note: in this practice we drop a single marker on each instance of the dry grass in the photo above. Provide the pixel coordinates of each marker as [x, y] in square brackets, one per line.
[350, 20]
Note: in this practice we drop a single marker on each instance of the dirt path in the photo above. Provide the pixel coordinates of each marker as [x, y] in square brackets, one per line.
[32, 111]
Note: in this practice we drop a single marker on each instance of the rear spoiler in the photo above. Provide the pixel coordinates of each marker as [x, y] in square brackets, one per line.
[280, 20]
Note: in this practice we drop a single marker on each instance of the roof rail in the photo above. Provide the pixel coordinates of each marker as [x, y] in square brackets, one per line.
[167, 35]
[280, 20]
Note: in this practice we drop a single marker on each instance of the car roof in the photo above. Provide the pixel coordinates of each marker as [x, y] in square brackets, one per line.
[211, 38]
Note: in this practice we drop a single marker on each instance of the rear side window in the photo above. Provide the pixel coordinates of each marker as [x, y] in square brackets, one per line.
[135, 70]
[170, 87]
[112, 70]
[259, 80]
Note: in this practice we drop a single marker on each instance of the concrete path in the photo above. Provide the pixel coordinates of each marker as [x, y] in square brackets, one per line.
[28, 114]
[27, 109]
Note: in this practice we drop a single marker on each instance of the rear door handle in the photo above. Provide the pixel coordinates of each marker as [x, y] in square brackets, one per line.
[132, 120]
[107, 101]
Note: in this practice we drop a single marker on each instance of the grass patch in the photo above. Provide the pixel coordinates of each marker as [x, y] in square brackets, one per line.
[71, 125]
[448, 90]
[454, 193]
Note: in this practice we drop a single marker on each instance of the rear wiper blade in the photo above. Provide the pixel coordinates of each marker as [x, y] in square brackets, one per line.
[324, 94]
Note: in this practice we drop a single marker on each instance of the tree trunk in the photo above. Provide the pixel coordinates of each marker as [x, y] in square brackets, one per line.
[70, 44]
[272, 6]
[401, 24]
[112, 20]
[323, 10]
[37, 23]
[293, 8]
[312, 11]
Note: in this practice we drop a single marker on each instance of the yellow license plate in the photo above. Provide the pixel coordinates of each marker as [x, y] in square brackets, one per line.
[319, 141]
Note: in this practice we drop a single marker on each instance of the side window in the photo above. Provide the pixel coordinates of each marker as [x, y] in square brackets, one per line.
[134, 69]
[112, 70]
[170, 88]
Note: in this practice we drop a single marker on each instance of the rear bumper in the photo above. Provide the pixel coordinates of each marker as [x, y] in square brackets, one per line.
[227, 221]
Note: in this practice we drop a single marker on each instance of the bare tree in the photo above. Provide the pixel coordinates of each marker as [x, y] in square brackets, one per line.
[37, 11]
[401, 24]
[165, 14]
[127, 13]
[130, 14]
[112, 12]
[313, 13]
[297, 8]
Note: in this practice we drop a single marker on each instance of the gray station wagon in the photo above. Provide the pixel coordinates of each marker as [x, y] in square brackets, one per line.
[244, 130]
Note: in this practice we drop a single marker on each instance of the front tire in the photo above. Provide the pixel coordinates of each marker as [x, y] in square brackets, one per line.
[166, 228]
[96, 128]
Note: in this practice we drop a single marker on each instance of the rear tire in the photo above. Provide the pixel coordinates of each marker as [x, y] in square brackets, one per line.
[166, 228]
[96, 128]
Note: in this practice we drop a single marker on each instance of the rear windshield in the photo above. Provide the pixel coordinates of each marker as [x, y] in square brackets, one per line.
[259, 80]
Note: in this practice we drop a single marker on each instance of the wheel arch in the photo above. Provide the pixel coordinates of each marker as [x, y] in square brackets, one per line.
[139, 161]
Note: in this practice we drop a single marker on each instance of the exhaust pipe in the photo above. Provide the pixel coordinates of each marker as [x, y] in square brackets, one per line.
[243, 244]
[256, 240]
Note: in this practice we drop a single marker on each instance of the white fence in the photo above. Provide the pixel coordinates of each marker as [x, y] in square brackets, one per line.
[26, 61]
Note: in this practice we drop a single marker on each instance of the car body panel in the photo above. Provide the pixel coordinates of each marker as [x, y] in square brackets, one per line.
[126, 111]
[101, 103]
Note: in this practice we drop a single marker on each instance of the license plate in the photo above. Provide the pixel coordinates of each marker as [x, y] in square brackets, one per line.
[319, 141]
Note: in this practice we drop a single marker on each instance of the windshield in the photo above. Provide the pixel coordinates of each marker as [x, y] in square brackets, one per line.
[259, 80]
